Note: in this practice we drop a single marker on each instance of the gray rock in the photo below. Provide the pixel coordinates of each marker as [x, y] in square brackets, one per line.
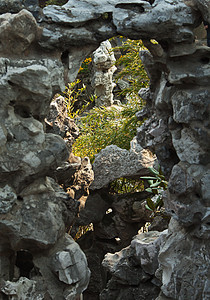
[204, 7]
[153, 15]
[183, 200]
[64, 270]
[58, 122]
[21, 36]
[103, 70]
[12, 6]
[147, 246]
[131, 207]
[7, 199]
[23, 289]
[175, 266]
[40, 209]
[189, 106]
[199, 58]
[94, 210]
[76, 56]
[37, 58]
[132, 268]
[70, 264]
[188, 147]
[25, 95]
[119, 266]
[43, 150]
[113, 162]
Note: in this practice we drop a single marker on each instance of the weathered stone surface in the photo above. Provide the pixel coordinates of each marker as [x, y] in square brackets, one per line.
[69, 265]
[75, 174]
[24, 94]
[31, 161]
[103, 70]
[13, 6]
[39, 210]
[94, 210]
[134, 266]
[145, 291]
[153, 15]
[82, 179]
[197, 70]
[65, 264]
[202, 5]
[154, 133]
[192, 264]
[44, 51]
[113, 162]
[131, 207]
[7, 199]
[22, 289]
[20, 37]
[185, 202]
[147, 247]
[75, 57]
[59, 123]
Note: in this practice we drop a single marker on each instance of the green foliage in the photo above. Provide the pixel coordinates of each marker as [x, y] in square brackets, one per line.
[106, 126]
[126, 185]
[84, 69]
[132, 68]
[116, 124]
[55, 2]
[82, 230]
[72, 94]
[157, 184]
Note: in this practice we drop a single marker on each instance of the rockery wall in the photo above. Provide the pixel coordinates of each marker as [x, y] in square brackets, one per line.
[41, 50]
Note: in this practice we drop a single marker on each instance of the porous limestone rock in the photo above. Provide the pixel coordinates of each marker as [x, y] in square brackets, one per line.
[21, 37]
[115, 220]
[7, 199]
[192, 264]
[103, 70]
[22, 289]
[113, 163]
[202, 5]
[75, 174]
[35, 211]
[58, 122]
[133, 268]
[45, 50]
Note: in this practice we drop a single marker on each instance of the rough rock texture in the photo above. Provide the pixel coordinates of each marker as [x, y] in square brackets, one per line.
[22, 289]
[59, 123]
[103, 70]
[192, 265]
[133, 269]
[45, 48]
[115, 218]
[113, 162]
[76, 173]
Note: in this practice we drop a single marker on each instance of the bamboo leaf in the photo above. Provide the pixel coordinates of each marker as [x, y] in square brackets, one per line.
[151, 204]
[148, 178]
[147, 207]
[152, 170]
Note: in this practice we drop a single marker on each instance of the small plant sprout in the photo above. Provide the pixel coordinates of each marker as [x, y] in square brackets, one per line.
[157, 184]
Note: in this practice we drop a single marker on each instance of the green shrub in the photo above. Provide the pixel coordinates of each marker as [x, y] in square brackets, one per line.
[131, 67]
[72, 94]
[115, 125]
[157, 184]
[126, 185]
[105, 126]
[55, 2]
